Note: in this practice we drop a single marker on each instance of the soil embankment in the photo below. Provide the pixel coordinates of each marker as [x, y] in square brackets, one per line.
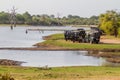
[10, 62]
[106, 44]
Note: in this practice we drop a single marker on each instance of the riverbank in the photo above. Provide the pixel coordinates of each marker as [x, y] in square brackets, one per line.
[7, 62]
[56, 41]
[108, 46]
[62, 73]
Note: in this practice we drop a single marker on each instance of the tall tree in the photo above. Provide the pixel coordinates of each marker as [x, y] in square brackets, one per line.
[4, 18]
[109, 22]
[20, 19]
[27, 17]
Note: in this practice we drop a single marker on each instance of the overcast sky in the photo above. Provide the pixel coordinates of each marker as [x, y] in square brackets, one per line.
[83, 8]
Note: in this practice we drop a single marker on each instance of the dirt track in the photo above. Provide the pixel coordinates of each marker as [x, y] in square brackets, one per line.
[110, 41]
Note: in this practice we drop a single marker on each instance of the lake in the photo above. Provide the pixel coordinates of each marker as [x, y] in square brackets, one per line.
[18, 38]
[52, 58]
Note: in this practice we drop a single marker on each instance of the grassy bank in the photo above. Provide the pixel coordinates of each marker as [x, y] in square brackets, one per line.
[57, 40]
[63, 73]
[68, 73]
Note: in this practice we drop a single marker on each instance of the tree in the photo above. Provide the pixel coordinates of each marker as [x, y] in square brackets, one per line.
[4, 18]
[20, 19]
[47, 20]
[35, 20]
[52, 16]
[27, 17]
[93, 20]
[110, 22]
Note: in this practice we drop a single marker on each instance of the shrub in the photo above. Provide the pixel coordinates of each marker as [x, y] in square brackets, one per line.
[6, 77]
[119, 32]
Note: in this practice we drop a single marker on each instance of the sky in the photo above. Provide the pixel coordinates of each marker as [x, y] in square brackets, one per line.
[82, 8]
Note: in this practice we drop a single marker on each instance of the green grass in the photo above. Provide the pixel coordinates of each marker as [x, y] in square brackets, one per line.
[63, 73]
[67, 73]
[58, 40]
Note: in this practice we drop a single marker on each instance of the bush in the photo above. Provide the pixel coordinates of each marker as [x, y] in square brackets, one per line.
[119, 32]
[6, 77]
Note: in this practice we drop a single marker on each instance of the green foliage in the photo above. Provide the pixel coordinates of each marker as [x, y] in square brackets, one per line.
[4, 18]
[27, 17]
[46, 20]
[20, 19]
[107, 27]
[119, 32]
[110, 22]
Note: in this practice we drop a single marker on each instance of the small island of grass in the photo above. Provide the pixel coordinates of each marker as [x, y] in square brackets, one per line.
[57, 41]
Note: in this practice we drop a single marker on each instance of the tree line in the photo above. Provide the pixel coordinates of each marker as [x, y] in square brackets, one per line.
[48, 20]
[108, 22]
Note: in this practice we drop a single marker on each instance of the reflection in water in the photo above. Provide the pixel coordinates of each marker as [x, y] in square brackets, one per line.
[81, 53]
[112, 58]
[51, 58]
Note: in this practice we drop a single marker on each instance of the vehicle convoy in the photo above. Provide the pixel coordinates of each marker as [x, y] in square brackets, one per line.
[80, 35]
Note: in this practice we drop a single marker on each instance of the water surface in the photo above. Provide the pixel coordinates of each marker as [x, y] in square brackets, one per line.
[18, 37]
[51, 58]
